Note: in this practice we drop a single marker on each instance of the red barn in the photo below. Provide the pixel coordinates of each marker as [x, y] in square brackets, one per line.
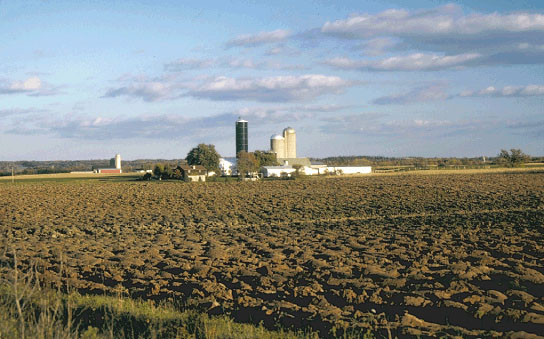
[110, 170]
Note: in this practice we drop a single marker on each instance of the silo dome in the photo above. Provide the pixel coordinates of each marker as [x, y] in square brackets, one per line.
[276, 136]
[289, 130]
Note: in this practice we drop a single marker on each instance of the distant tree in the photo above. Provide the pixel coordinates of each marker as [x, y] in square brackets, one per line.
[246, 163]
[204, 155]
[513, 159]
[159, 168]
[167, 172]
[298, 169]
[147, 176]
[176, 174]
[265, 159]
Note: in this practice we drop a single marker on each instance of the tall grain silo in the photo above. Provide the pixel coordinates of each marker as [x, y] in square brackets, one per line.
[118, 161]
[241, 136]
[277, 145]
[290, 142]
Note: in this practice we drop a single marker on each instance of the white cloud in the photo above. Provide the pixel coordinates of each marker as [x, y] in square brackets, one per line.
[322, 108]
[412, 62]
[32, 86]
[185, 64]
[159, 126]
[447, 20]
[434, 92]
[373, 124]
[500, 38]
[266, 89]
[378, 46]
[188, 63]
[265, 115]
[14, 112]
[269, 89]
[275, 50]
[508, 91]
[261, 38]
[243, 63]
[106, 128]
[148, 91]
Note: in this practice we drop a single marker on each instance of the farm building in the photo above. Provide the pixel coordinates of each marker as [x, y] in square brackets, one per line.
[349, 169]
[109, 170]
[277, 171]
[115, 168]
[193, 172]
[225, 166]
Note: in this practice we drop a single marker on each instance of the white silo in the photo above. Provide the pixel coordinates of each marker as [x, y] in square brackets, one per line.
[277, 145]
[118, 161]
[290, 142]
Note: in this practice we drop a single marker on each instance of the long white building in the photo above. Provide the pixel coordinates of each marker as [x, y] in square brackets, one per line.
[278, 171]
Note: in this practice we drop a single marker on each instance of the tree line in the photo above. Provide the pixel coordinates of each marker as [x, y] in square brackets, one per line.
[512, 158]
[207, 156]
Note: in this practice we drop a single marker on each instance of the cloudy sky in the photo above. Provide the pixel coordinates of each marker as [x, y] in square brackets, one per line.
[151, 79]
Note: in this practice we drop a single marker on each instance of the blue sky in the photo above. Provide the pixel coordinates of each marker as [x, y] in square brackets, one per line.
[151, 79]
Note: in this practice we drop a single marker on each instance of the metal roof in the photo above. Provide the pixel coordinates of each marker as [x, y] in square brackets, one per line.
[278, 167]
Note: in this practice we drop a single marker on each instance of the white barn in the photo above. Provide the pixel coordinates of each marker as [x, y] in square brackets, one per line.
[225, 166]
[277, 171]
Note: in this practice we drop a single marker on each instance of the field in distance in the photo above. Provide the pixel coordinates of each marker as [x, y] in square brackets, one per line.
[412, 254]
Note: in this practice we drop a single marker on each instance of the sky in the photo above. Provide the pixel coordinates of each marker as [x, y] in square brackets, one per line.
[152, 79]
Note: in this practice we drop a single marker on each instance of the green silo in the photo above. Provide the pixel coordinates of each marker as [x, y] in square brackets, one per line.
[241, 135]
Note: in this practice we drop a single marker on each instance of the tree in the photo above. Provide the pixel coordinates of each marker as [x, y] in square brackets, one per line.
[167, 172]
[204, 155]
[246, 163]
[158, 170]
[299, 169]
[265, 159]
[176, 174]
[513, 159]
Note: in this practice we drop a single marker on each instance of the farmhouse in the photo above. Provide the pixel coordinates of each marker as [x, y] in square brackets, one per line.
[193, 172]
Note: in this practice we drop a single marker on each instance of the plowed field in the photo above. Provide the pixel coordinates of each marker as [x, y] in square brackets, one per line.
[431, 254]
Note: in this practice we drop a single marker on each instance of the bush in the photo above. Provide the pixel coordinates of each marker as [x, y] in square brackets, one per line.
[513, 159]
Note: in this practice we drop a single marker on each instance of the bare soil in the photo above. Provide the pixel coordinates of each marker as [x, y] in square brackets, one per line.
[414, 255]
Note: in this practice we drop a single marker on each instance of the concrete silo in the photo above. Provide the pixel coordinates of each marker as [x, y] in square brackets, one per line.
[241, 136]
[290, 142]
[277, 145]
[118, 161]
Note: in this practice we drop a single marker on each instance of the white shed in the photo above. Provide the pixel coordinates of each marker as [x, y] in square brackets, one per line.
[277, 171]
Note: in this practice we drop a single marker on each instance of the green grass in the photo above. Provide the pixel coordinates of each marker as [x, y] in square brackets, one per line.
[118, 317]
[51, 314]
